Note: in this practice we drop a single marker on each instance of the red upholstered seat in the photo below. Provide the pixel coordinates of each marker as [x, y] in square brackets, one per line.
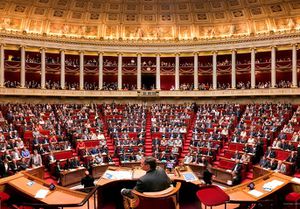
[4, 196]
[212, 196]
[292, 197]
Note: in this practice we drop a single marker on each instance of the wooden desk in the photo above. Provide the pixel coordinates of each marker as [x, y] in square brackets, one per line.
[221, 175]
[198, 169]
[240, 193]
[38, 172]
[259, 171]
[58, 196]
[72, 176]
[136, 173]
[98, 170]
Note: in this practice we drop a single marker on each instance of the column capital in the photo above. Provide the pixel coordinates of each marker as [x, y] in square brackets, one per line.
[296, 45]
[23, 46]
[233, 50]
[158, 54]
[119, 53]
[273, 47]
[100, 53]
[215, 52]
[253, 49]
[42, 49]
[81, 52]
[2, 45]
[139, 54]
[62, 50]
[196, 53]
[177, 54]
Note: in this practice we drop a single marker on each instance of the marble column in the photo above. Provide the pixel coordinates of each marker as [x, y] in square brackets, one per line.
[81, 70]
[157, 71]
[23, 67]
[2, 69]
[177, 79]
[62, 69]
[120, 71]
[233, 69]
[253, 68]
[43, 68]
[196, 80]
[100, 66]
[139, 71]
[215, 70]
[294, 66]
[273, 67]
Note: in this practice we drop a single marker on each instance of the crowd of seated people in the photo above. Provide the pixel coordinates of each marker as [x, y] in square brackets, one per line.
[242, 85]
[12, 84]
[112, 86]
[33, 59]
[186, 87]
[91, 86]
[33, 84]
[148, 64]
[126, 127]
[51, 129]
[50, 84]
[110, 63]
[169, 124]
[248, 129]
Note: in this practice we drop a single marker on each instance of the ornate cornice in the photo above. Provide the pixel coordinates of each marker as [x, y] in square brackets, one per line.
[162, 94]
[146, 43]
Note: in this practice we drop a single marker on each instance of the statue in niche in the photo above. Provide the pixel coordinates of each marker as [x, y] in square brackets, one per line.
[65, 29]
[139, 33]
[6, 23]
[82, 30]
[232, 30]
[291, 24]
[210, 32]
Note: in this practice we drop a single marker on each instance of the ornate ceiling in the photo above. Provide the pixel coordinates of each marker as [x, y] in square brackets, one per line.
[150, 19]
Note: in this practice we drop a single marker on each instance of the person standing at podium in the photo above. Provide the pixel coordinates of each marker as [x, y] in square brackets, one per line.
[154, 180]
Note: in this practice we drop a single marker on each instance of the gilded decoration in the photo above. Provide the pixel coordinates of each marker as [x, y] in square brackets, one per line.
[149, 20]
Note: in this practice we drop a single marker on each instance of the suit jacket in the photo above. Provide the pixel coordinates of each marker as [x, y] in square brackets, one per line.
[153, 181]
[237, 168]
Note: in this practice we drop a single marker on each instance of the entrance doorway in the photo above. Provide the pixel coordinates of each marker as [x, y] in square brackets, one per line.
[148, 81]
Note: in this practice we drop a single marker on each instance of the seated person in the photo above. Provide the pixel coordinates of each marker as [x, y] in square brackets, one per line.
[264, 162]
[273, 164]
[88, 180]
[154, 180]
[270, 153]
[281, 167]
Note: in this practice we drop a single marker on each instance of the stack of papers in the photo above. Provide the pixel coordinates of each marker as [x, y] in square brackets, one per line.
[255, 193]
[272, 185]
[189, 177]
[41, 193]
[117, 175]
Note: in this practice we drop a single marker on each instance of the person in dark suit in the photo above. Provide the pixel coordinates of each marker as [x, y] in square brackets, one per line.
[273, 164]
[88, 180]
[154, 180]
[207, 174]
[237, 172]
[270, 153]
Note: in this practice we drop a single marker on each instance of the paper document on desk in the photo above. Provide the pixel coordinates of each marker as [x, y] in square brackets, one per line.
[117, 174]
[296, 180]
[272, 185]
[255, 193]
[42, 193]
[189, 177]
